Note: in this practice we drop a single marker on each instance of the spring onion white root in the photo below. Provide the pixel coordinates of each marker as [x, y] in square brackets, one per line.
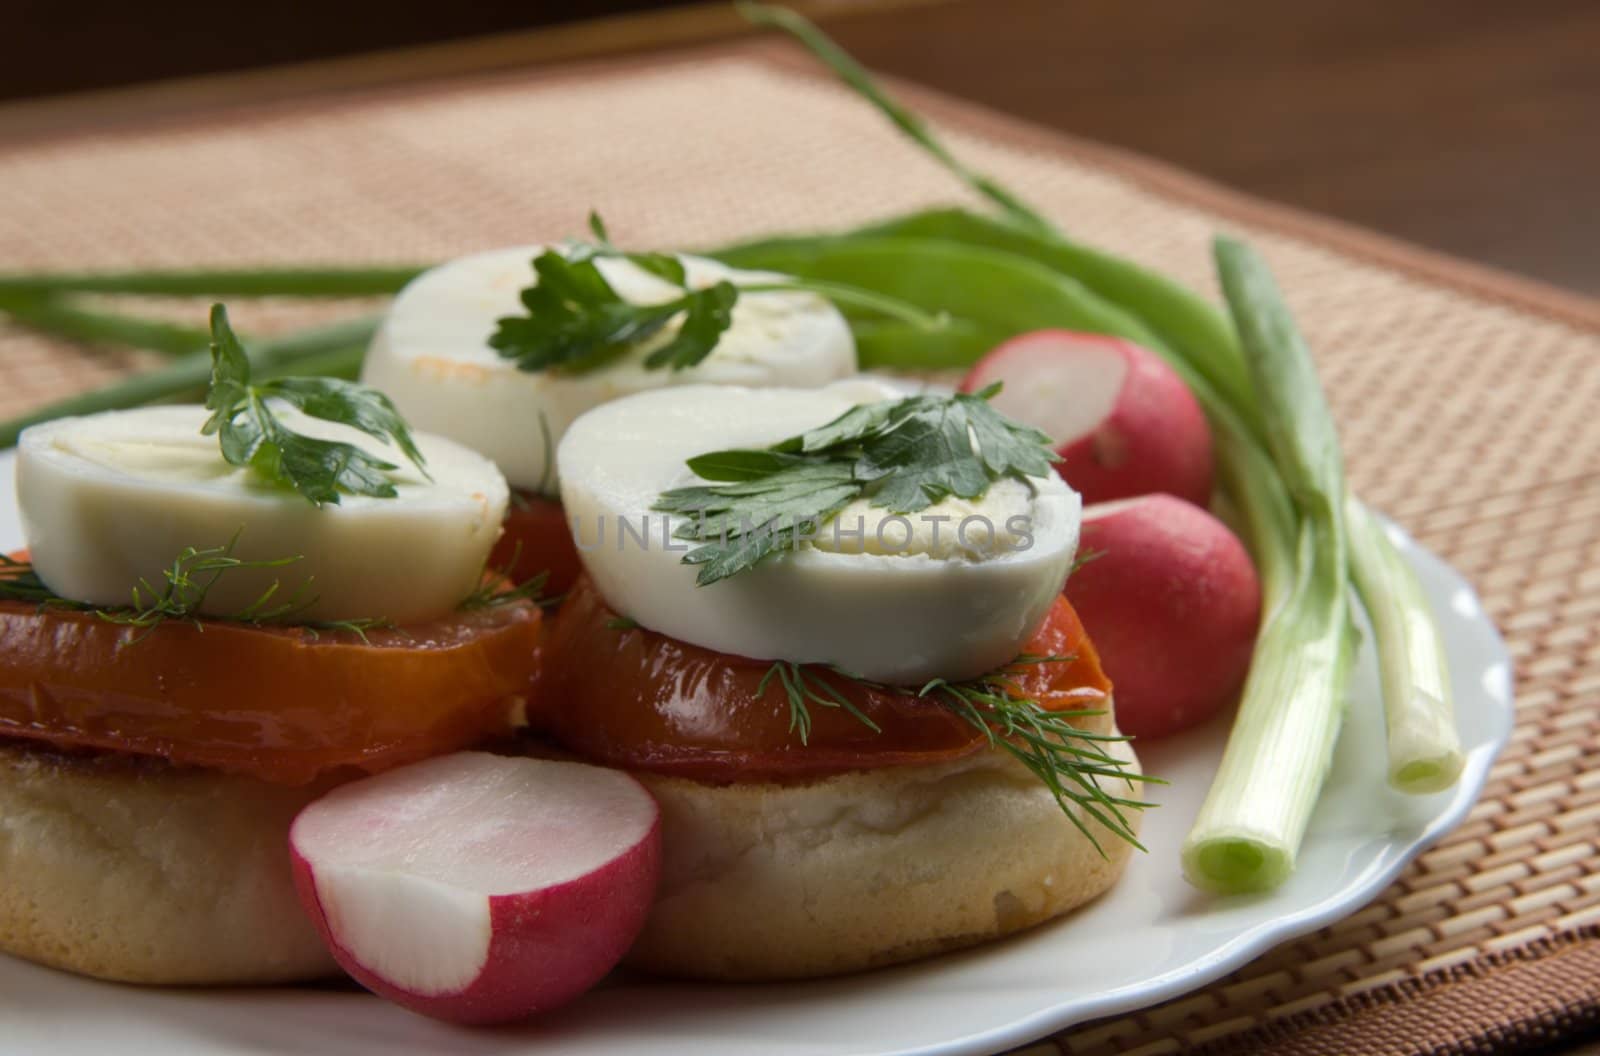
[1424, 747]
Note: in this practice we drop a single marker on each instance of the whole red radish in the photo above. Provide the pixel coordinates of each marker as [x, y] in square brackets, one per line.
[478, 888]
[1122, 421]
[1172, 604]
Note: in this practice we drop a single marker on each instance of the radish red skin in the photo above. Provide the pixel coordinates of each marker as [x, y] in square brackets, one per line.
[546, 946]
[1172, 604]
[1154, 437]
[556, 946]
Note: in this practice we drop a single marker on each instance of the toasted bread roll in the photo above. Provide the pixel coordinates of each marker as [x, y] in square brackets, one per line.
[786, 881]
[133, 870]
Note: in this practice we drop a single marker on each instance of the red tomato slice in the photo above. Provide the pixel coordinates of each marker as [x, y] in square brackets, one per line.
[632, 698]
[537, 539]
[283, 704]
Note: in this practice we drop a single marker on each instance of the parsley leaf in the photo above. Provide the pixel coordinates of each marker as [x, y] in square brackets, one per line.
[576, 321]
[926, 458]
[662, 265]
[902, 455]
[250, 434]
[707, 314]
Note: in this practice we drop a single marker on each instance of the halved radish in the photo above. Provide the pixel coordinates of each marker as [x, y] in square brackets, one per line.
[1122, 421]
[1172, 604]
[479, 888]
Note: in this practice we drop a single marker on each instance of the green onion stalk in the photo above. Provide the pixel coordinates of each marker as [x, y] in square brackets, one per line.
[57, 317]
[1251, 823]
[334, 350]
[333, 281]
[1424, 747]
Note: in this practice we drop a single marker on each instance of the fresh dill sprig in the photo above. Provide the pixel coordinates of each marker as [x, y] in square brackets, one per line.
[185, 585]
[499, 591]
[1069, 760]
[576, 321]
[187, 582]
[496, 587]
[805, 686]
[19, 582]
[1083, 557]
[357, 627]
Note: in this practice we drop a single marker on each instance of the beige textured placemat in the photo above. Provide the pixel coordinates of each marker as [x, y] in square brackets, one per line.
[1469, 404]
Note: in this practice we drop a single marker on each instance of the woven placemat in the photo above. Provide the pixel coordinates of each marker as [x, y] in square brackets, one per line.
[1469, 404]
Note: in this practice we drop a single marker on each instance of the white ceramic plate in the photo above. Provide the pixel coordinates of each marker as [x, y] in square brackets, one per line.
[1150, 939]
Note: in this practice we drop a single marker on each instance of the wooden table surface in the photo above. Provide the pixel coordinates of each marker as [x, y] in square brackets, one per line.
[1468, 126]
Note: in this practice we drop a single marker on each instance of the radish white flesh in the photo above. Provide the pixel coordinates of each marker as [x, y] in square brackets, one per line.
[479, 888]
[1063, 386]
[1122, 421]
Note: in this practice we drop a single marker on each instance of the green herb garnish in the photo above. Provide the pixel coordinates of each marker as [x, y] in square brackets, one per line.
[903, 455]
[804, 685]
[497, 587]
[252, 435]
[19, 582]
[501, 591]
[576, 321]
[185, 585]
[187, 582]
[1069, 760]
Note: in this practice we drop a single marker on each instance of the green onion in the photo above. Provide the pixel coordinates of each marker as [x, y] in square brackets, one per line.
[331, 281]
[190, 373]
[334, 362]
[1424, 748]
[851, 72]
[1250, 826]
[860, 298]
[58, 318]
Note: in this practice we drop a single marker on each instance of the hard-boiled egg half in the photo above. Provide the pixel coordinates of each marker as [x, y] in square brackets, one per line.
[432, 355]
[951, 591]
[110, 500]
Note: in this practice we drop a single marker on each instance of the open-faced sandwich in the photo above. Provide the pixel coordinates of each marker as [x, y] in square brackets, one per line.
[825, 628]
[225, 611]
[822, 627]
[754, 670]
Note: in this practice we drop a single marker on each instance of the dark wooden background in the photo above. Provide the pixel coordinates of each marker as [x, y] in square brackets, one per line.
[1470, 126]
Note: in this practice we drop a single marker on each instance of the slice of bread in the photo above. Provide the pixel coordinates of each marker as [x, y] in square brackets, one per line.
[858, 870]
[134, 870]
